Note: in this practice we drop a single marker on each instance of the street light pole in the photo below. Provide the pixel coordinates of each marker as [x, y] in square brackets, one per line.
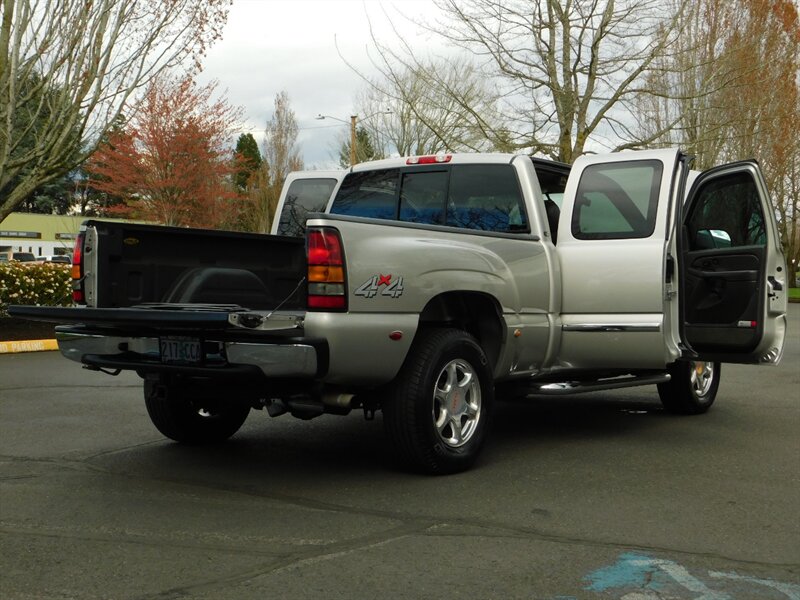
[353, 158]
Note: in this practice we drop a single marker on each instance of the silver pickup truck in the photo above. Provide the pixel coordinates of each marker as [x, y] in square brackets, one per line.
[429, 286]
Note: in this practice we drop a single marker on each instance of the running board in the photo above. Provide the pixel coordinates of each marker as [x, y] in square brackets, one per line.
[577, 387]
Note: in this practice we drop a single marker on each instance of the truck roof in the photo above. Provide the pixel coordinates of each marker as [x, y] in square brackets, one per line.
[443, 158]
[455, 158]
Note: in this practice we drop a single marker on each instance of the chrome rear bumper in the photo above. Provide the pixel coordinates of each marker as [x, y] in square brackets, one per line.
[273, 359]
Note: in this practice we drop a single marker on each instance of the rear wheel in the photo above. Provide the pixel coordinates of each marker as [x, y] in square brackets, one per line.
[190, 421]
[437, 413]
[693, 387]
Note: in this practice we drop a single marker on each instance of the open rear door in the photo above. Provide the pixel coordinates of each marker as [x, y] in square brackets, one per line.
[733, 273]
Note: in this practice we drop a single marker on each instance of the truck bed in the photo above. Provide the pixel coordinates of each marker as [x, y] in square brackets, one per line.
[128, 264]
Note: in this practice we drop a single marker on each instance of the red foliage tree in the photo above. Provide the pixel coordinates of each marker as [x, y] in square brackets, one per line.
[171, 162]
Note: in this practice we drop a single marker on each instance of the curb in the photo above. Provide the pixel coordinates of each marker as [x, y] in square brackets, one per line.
[27, 346]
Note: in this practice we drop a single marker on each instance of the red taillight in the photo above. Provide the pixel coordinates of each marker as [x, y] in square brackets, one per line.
[326, 281]
[326, 302]
[429, 160]
[324, 247]
[77, 270]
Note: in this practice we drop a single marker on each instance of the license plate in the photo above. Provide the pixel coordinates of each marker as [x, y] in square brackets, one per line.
[181, 350]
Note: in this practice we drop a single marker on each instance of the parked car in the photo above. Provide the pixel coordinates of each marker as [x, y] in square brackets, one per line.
[23, 257]
[55, 258]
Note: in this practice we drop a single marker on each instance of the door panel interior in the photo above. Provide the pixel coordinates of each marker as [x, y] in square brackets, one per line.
[723, 293]
[724, 261]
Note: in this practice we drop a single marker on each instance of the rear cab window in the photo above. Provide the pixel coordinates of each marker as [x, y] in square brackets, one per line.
[484, 197]
[304, 196]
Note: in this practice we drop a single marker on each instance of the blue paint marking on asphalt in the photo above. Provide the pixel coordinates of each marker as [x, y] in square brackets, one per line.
[631, 570]
[651, 577]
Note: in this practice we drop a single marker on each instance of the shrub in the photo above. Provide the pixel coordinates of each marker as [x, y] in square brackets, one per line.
[41, 283]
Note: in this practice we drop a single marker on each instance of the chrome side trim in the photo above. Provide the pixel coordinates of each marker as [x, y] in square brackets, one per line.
[612, 327]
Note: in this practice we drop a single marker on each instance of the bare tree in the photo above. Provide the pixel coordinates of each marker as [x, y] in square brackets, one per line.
[424, 107]
[567, 70]
[733, 90]
[280, 157]
[688, 84]
[68, 68]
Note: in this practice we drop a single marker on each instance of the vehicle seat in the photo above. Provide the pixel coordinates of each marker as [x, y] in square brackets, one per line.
[553, 214]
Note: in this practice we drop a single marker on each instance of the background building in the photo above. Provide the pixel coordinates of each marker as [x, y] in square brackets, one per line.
[42, 235]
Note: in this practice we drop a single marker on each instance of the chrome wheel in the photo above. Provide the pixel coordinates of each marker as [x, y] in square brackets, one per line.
[701, 378]
[692, 387]
[437, 413]
[457, 403]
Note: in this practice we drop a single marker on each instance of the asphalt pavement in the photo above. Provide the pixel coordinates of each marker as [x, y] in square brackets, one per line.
[595, 496]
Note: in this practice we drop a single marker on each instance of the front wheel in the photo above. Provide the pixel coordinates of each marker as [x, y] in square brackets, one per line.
[693, 387]
[438, 409]
[190, 421]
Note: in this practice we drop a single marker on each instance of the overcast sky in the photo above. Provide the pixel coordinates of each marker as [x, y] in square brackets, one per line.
[274, 45]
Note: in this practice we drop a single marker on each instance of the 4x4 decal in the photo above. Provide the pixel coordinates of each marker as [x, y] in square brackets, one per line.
[372, 287]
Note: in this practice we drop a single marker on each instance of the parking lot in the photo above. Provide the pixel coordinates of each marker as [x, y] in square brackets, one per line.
[594, 496]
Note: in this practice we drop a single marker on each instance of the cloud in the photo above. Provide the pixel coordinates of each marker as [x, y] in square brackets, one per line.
[273, 45]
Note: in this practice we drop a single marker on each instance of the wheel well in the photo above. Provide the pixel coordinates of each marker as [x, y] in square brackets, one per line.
[474, 312]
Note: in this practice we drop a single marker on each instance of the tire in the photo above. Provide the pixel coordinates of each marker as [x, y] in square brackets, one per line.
[693, 387]
[438, 409]
[191, 422]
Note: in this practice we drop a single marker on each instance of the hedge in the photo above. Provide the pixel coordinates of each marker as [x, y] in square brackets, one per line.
[40, 283]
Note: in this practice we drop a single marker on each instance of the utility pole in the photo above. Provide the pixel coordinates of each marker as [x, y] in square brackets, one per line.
[353, 159]
[353, 136]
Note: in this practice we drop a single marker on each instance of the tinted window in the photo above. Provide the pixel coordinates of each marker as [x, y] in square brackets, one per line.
[727, 213]
[552, 181]
[485, 197]
[617, 200]
[370, 194]
[422, 197]
[303, 196]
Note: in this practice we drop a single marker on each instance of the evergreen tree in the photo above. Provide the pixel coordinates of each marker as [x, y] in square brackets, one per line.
[248, 160]
[365, 149]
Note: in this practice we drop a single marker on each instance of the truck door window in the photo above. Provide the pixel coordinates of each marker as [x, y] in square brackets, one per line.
[617, 200]
[370, 194]
[303, 196]
[422, 197]
[486, 197]
[726, 214]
